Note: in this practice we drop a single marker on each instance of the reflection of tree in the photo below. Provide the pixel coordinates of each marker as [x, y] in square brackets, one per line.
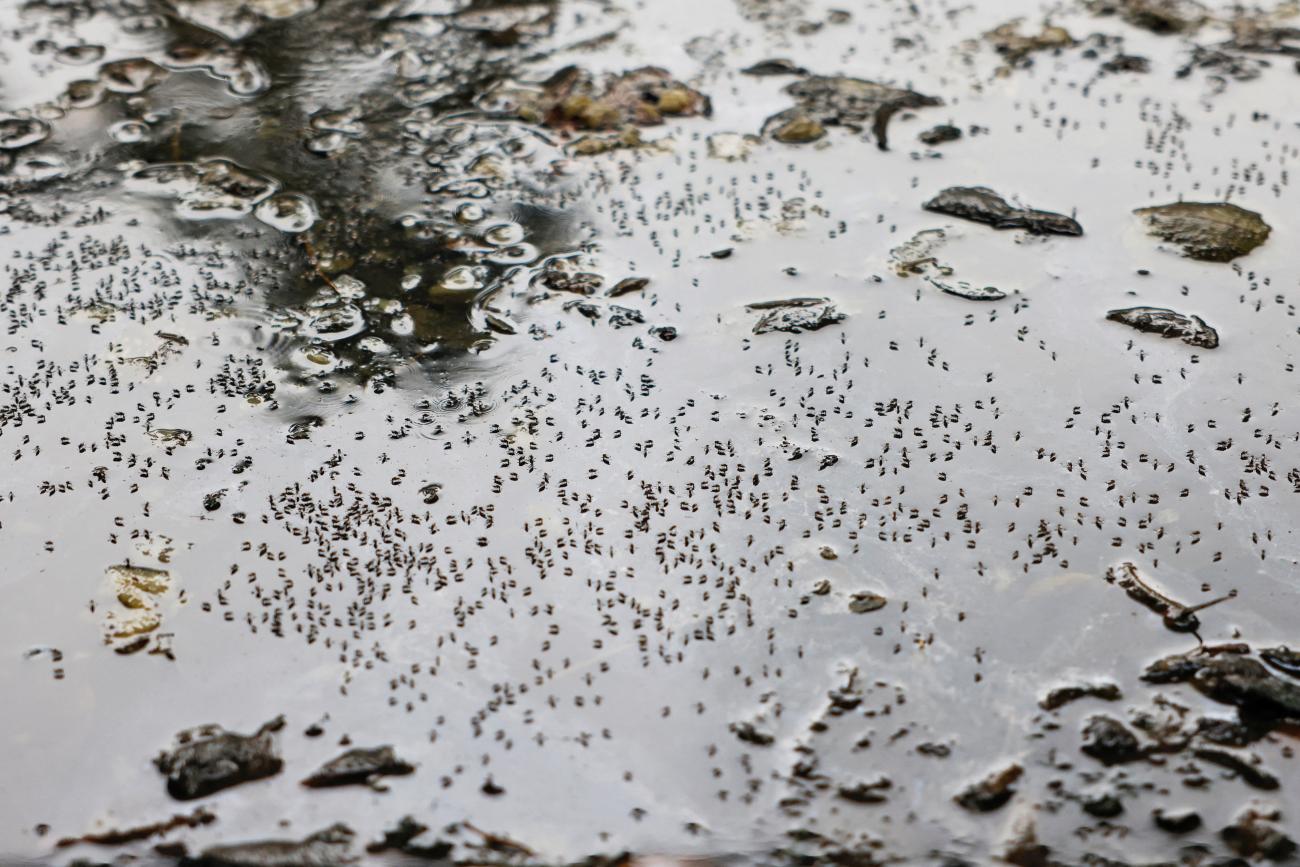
[364, 188]
[383, 94]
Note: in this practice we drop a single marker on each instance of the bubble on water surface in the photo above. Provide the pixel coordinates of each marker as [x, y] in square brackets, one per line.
[128, 131]
[20, 132]
[288, 212]
[210, 189]
[132, 76]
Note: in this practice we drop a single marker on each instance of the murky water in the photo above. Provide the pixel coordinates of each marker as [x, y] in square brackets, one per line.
[679, 431]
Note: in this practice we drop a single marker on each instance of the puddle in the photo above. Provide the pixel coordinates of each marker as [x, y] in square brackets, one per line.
[763, 432]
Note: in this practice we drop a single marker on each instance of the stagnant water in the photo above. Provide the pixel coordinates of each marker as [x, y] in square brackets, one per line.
[602, 404]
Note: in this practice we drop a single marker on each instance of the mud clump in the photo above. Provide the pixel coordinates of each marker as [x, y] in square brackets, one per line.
[1231, 677]
[577, 282]
[865, 602]
[1127, 63]
[573, 99]
[795, 315]
[1182, 822]
[401, 838]
[866, 793]
[1110, 742]
[748, 733]
[1103, 806]
[800, 129]
[1016, 47]
[941, 134]
[1182, 667]
[593, 145]
[1192, 330]
[1249, 773]
[1251, 837]
[992, 792]
[328, 848]
[982, 205]
[774, 66]
[833, 100]
[1258, 34]
[209, 758]
[1158, 16]
[359, 766]
[1060, 697]
[1208, 231]
[1282, 658]
[627, 286]
[1248, 684]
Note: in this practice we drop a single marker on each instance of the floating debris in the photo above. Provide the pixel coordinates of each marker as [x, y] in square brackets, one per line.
[208, 759]
[171, 436]
[982, 205]
[917, 254]
[328, 848]
[197, 819]
[795, 315]
[1177, 617]
[731, 146]
[825, 101]
[135, 586]
[1192, 330]
[139, 590]
[963, 289]
[1209, 231]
